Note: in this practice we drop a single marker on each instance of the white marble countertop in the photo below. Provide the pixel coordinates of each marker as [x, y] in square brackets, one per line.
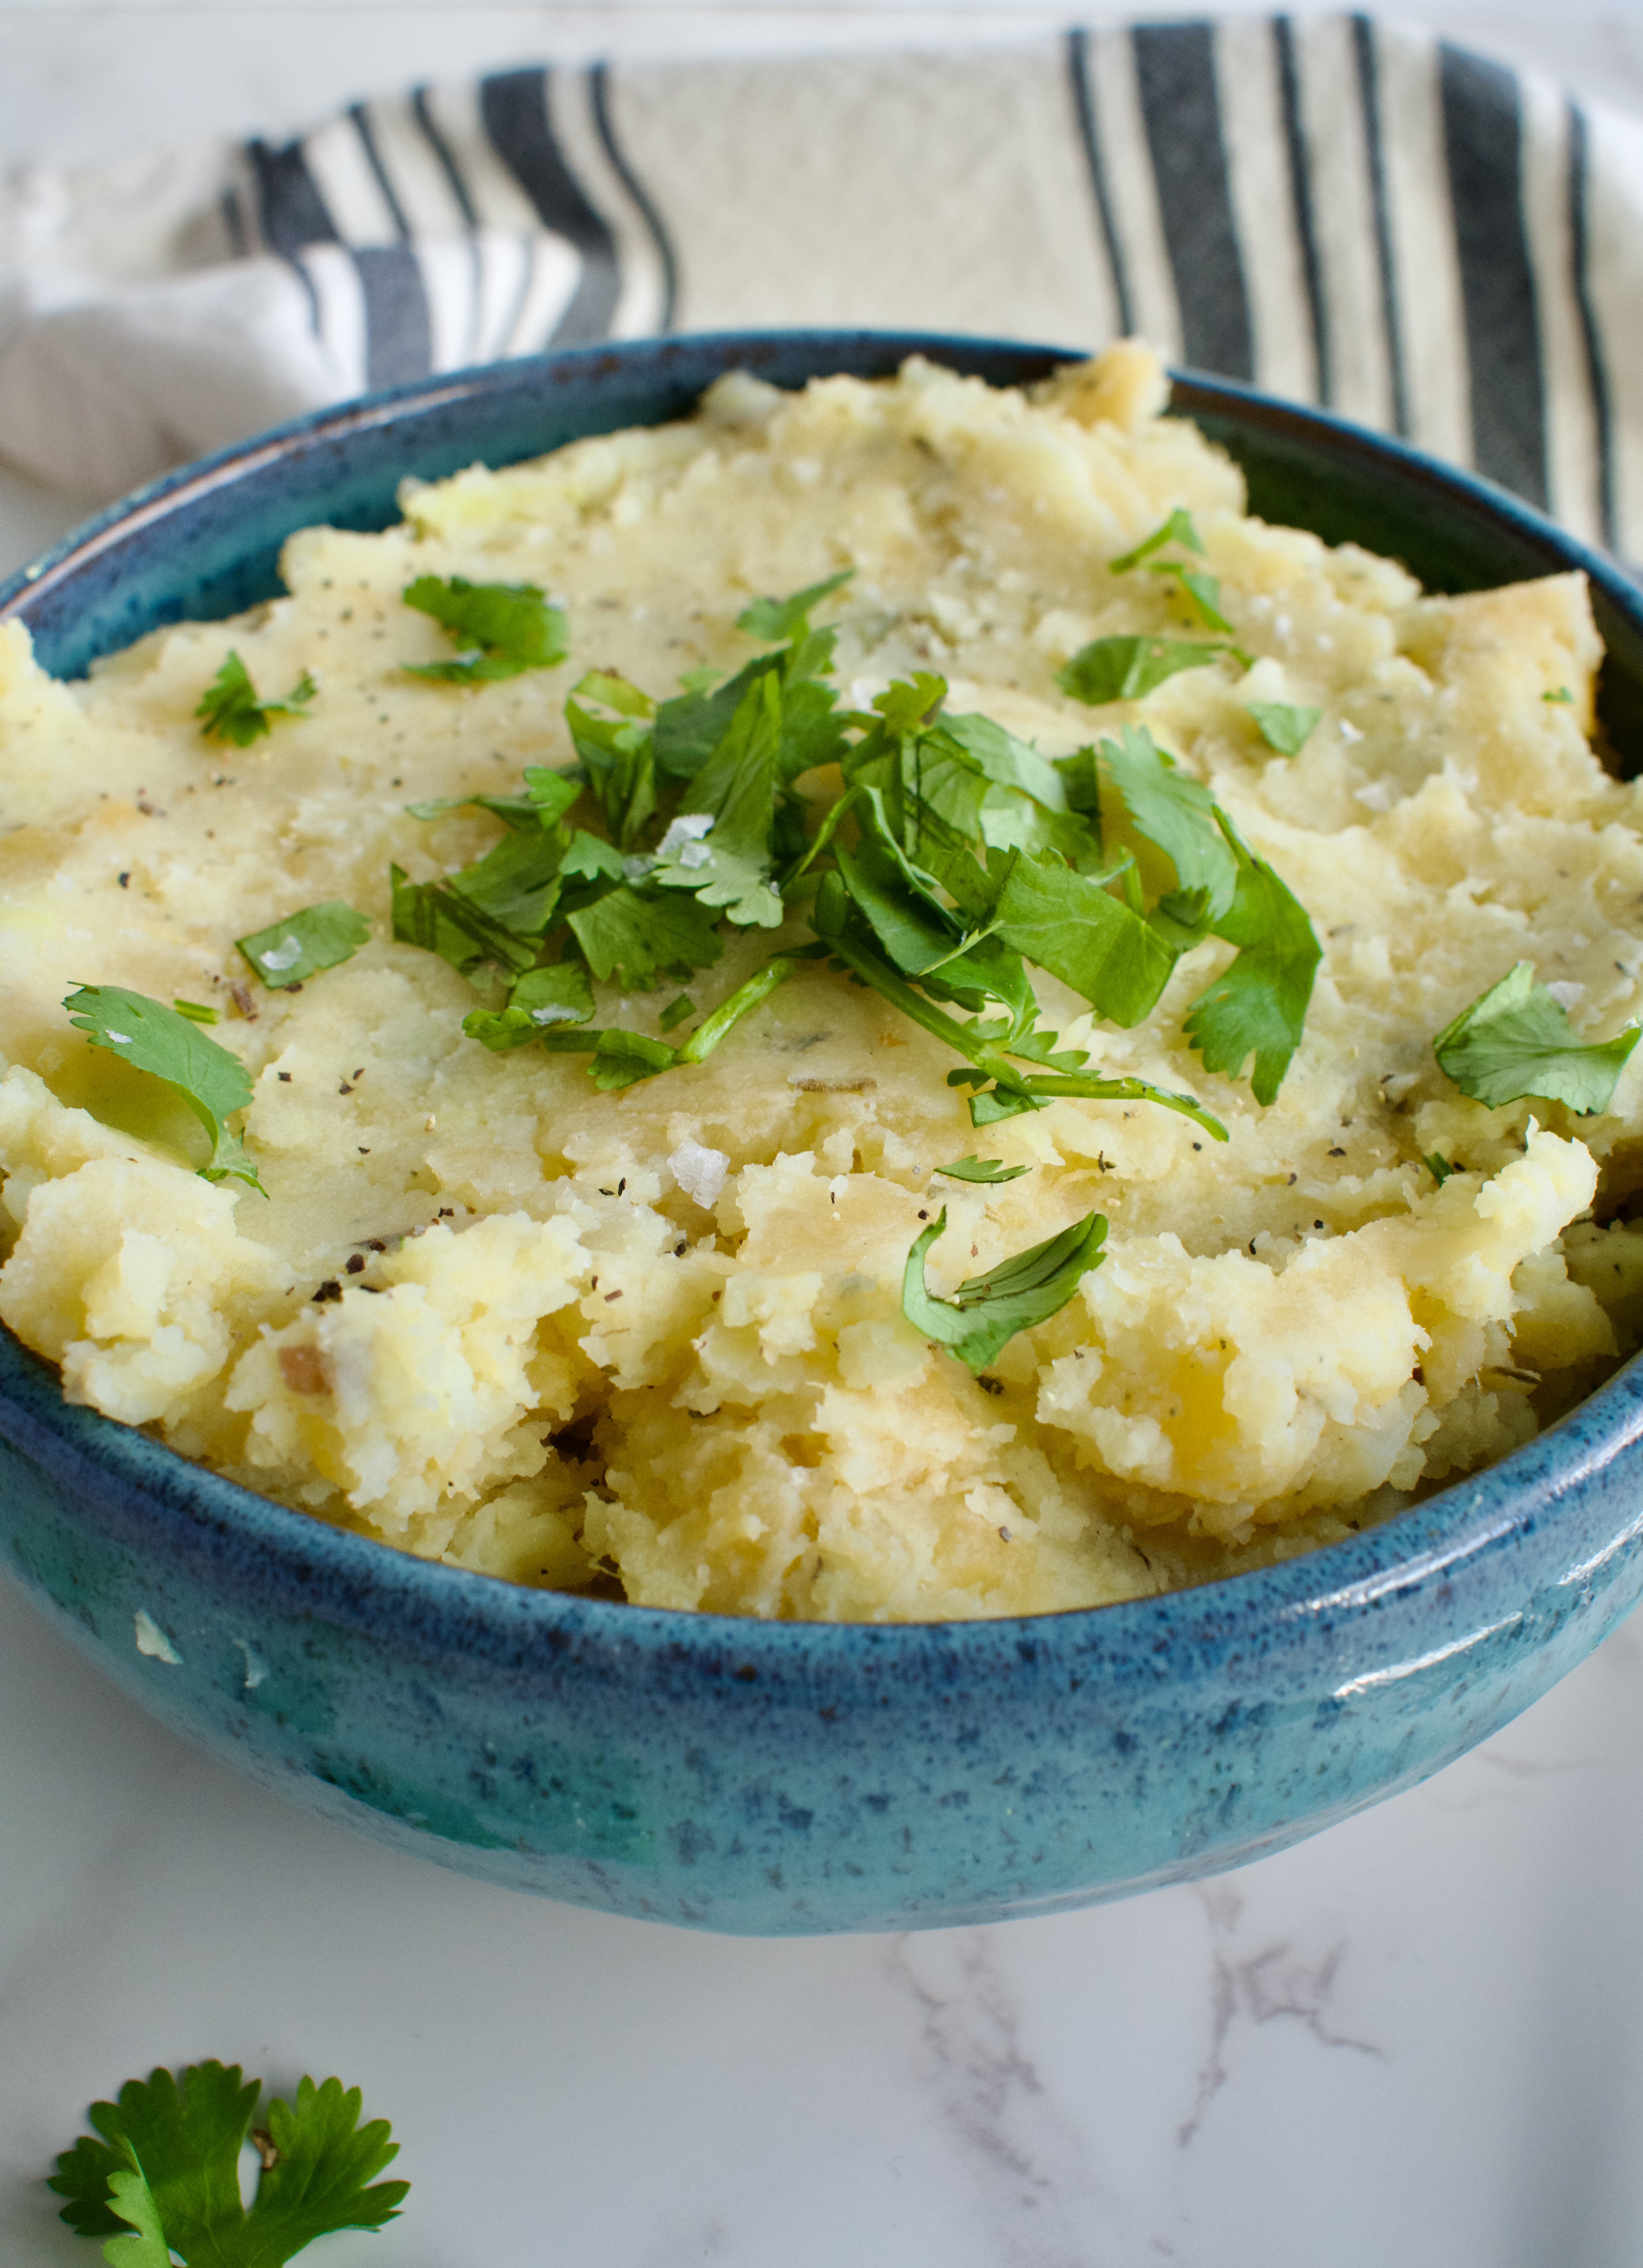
[1416, 2040]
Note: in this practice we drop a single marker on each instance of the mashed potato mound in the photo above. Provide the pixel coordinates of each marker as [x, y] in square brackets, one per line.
[651, 1342]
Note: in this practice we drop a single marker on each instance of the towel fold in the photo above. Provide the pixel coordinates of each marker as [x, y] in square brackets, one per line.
[1345, 212]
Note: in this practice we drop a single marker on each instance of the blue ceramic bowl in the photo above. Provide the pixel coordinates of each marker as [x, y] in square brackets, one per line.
[792, 1778]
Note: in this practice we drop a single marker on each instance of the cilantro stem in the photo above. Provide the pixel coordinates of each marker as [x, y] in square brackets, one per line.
[730, 1012]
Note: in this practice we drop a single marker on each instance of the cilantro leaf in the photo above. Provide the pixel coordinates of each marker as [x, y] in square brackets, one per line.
[1281, 727]
[513, 810]
[1178, 528]
[323, 2174]
[1176, 813]
[516, 884]
[1205, 591]
[142, 2245]
[620, 760]
[155, 1039]
[621, 1059]
[169, 2166]
[187, 2140]
[228, 708]
[551, 792]
[541, 999]
[1514, 1040]
[616, 692]
[986, 1312]
[1258, 1005]
[504, 628]
[440, 920]
[1026, 806]
[83, 2176]
[1007, 762]
[786, 618]
[1067, 924]
[990, 1170]
[690, 726]
[1129, 668]
[644, 935]
[728, 862]
[289, 951]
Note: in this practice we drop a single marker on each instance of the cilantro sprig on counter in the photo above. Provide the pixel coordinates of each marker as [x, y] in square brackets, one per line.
[228, 708]
[1514, 1040]
[161, 2174]
[170, 1048]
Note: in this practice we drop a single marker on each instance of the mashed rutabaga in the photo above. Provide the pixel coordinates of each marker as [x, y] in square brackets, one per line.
[653, 1338]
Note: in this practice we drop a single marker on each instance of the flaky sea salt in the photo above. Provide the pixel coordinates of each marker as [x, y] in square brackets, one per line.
[700, 1172]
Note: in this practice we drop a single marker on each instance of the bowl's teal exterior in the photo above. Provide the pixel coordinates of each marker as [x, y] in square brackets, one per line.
[784, 1779]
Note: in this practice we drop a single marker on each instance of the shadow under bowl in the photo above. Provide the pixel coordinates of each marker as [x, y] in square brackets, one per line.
[784, 1779]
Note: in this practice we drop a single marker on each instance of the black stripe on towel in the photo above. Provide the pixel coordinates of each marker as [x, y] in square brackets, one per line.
[1176, 71]
[514, 108]
[1369, 98]
[1596, 367]
[1084, 111]
[399, 331]
[1483, 137]
[1300, 191]
[289, 208]
[373, 158]
[599, 89]
[441, 149]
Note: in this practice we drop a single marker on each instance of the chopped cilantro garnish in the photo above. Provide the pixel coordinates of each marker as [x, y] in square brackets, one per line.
[1439, 1166]
[164, 2163]
[290, 952]
[1176, 813]
[1129, 668]
[1562, 694]
[786, 618]
[442, 921]
[172, 1049]
[1205, 591]
[502, 627]
[986, 1312]
[1515, 1041]
[957, 858]
[541, 1000]
[1178, 528]
[645, 937]
[1282, 727]
[677, 1011]
[1258, 1005]
[196, 1011]
[982, 1169]
[230, 711]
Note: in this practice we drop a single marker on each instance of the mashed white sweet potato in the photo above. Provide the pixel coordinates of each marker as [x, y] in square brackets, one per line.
[653, 1340]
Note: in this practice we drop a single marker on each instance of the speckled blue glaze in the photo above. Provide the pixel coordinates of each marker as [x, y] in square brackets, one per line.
[794, 1777]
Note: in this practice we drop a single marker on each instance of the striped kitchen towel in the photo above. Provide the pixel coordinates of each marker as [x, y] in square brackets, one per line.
[1344, 211]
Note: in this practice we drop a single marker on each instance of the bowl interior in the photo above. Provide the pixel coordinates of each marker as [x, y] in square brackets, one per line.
[205, 541]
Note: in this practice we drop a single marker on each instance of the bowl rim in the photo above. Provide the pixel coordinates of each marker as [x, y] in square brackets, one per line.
[361, 1577]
